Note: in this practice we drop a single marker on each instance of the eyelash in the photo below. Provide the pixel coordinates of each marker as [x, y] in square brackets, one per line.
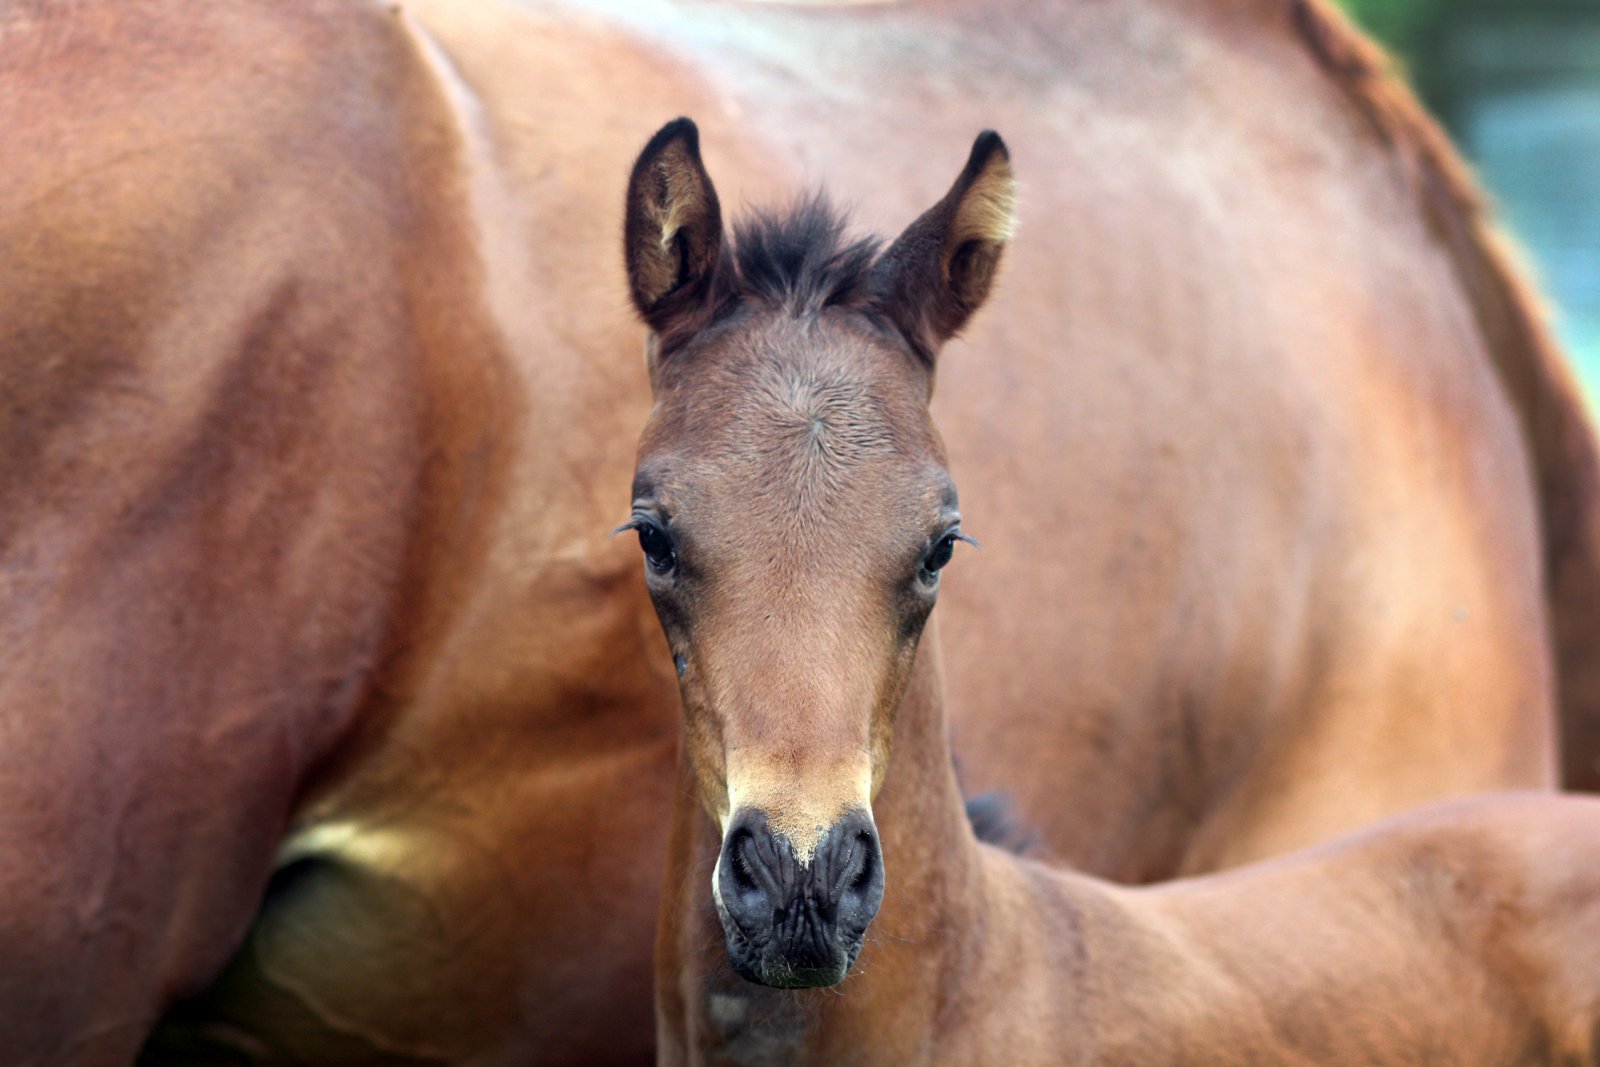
[660, 554]
[939, 555]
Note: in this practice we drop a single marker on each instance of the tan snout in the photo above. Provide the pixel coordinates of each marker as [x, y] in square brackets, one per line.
[799, 798]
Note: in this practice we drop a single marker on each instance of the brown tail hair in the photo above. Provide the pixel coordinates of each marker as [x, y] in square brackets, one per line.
[1530, 365]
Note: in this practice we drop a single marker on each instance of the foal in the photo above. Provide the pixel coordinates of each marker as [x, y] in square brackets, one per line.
[794, 506]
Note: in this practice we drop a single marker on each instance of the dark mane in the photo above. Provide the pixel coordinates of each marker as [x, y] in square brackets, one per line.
[801, 258]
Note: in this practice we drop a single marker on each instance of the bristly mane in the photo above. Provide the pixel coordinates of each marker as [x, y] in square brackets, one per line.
[801, 259]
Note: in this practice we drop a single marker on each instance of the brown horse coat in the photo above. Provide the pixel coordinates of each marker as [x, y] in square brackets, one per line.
[319, 393]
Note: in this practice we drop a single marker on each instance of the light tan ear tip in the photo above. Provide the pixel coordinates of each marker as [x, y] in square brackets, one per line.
[999, 186]
[988, 210]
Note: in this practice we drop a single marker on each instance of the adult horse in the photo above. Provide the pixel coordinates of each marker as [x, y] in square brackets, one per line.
[320, 387]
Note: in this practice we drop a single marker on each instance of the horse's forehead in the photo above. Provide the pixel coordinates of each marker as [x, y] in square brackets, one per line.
[801, 401]
[821, 417]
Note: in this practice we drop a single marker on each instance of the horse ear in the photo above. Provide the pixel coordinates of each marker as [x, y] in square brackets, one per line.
[940, 270]
[672, 235]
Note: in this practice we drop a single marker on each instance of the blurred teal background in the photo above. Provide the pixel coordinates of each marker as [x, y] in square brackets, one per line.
[1518, 84]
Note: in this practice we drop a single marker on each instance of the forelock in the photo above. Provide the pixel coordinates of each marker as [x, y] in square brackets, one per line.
[802, 259]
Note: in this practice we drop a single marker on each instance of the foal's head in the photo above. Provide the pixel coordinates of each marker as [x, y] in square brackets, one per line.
[794, 508]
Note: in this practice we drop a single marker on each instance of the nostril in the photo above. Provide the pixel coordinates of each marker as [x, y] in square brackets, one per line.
[741, 863]
[854, 872]
[741, 869]
[864, 862]
[854, 878]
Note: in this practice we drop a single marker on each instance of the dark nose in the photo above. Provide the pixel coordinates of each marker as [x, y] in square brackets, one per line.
[795, 924]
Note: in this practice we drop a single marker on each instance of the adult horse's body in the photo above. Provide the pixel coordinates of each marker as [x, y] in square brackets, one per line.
[320, 395]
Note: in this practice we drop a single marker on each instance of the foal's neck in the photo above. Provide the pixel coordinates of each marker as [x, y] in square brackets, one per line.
[925, 944]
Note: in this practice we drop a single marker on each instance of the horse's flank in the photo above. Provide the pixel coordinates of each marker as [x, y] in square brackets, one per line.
[234, 451]
[1532, 370]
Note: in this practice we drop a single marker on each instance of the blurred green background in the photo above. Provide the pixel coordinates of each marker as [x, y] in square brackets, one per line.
[1518, 84]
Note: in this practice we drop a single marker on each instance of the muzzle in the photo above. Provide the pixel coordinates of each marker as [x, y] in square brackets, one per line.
[791, 924]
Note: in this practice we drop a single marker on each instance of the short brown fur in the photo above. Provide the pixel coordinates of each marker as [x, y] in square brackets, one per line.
[319, 397]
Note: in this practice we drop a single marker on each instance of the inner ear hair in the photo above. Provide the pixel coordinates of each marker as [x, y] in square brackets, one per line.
[674, 195]
[673, 227]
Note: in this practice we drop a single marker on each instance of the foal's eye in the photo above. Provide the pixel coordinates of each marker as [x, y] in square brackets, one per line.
[657, 547]
[939, 554]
